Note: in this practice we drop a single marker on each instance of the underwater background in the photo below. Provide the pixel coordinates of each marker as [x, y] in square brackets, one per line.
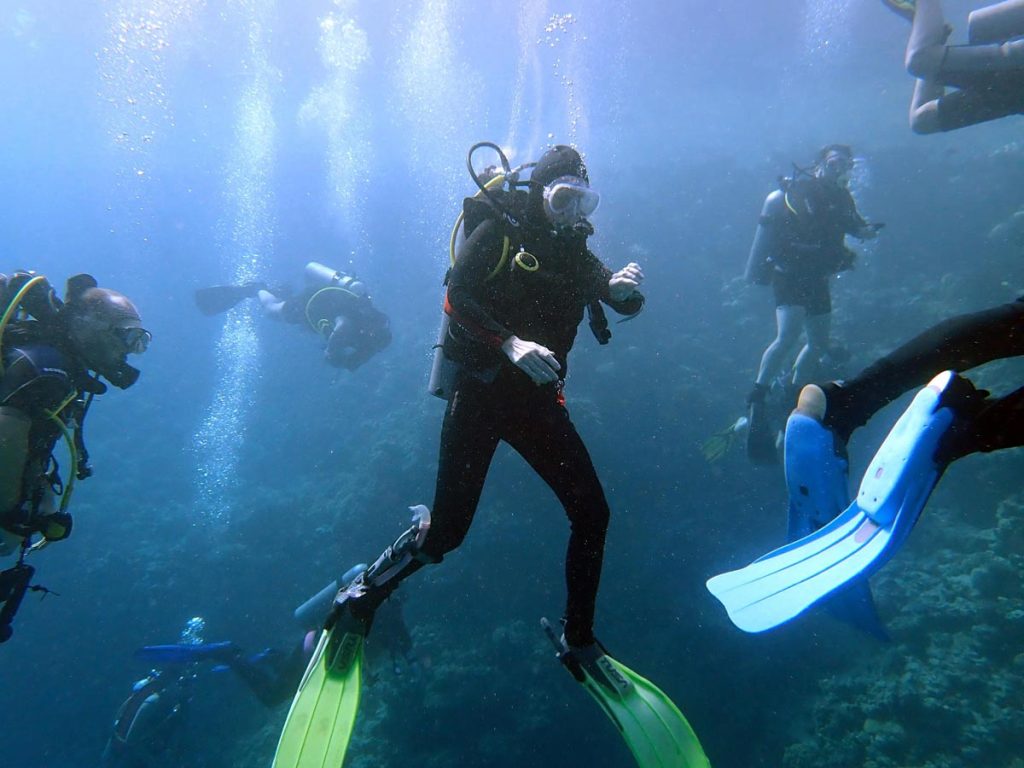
[168, 145]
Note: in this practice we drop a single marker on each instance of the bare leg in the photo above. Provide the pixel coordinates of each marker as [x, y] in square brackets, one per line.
[924, 106]
[926, 48]
[272, 305]
[818, 328]
[789, 321]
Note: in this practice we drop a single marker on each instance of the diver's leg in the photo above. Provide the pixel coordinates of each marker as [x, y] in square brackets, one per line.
[960, 60]
[959, 343]
[546, 437]
[818, 327]
[789, 322]
[468, 442]
[926, 47]
[929, 57]
[924, 106]
[272, 306]
[994, 426]
[996, 23]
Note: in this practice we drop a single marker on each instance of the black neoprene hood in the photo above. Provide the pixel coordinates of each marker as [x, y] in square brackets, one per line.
[560, 160]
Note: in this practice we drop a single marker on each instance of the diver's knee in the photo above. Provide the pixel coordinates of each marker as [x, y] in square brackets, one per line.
[925, 120]
[925, 62]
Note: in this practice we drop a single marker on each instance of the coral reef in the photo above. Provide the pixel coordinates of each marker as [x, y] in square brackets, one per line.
[946, 693]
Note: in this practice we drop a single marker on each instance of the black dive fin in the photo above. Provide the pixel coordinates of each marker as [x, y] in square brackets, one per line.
[221, 298]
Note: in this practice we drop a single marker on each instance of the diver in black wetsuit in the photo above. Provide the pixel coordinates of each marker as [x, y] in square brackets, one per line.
[335, 305]
[53, 357]
[987, 75]
[516, 294]
[959, 343]
[338, 307]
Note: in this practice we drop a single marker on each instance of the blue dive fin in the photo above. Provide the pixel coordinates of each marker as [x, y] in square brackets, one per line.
[185, 653]
[783, 584]
[817, 479]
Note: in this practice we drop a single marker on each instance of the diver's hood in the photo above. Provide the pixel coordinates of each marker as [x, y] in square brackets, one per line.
[556, 163]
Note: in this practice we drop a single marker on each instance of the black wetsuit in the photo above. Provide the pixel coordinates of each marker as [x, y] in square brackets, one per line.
[364, 332]
[959, 343]
[980, 97]
[540, 297]
[149, 726]
[804, 242]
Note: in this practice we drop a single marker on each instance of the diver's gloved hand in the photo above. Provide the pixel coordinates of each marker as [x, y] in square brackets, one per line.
[535, 360]
[625, 282]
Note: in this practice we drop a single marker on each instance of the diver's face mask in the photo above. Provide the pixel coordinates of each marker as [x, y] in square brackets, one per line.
[836, 167]
[568, 201]
[106, 348]
[135, 339]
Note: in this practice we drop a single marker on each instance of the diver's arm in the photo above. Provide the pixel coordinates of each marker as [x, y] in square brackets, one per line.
[599, 278]
[856, 225]
[476, 259]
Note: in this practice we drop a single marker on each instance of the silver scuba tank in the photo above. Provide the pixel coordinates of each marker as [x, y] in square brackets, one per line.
[318, 274]
[443, 370]
[313, 612]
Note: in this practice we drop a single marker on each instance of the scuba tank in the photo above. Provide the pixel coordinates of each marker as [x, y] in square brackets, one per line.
[335, 291]
[443, 370]
[312, 612]
[318, 274]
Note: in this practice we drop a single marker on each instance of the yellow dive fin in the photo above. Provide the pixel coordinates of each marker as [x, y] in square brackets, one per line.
[323, 713]
[652, 726]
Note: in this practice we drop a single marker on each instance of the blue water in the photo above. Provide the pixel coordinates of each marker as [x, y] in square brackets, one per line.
[168, 145]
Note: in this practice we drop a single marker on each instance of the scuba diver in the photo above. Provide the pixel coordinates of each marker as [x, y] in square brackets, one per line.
[54, 355]
[949, 419]
[517, 290]
[335, 305]
[987, 74]
[148, 729]
[798, 245]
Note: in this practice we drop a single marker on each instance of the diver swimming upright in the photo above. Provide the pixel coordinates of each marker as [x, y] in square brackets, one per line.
[517, 290]
[55, 354]
[798, 246]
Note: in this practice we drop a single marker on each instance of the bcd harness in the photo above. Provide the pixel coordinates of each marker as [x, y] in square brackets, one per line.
[69, 423]
[476, 210]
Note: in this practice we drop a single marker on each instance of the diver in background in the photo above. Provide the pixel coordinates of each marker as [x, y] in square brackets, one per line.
[334, 305]
[54, 355]
[798, 245]
[148, 729]
[987, 74]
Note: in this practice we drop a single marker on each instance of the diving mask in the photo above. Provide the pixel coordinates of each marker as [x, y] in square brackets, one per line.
[135, 339]
[837, 166]
[568, 200]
